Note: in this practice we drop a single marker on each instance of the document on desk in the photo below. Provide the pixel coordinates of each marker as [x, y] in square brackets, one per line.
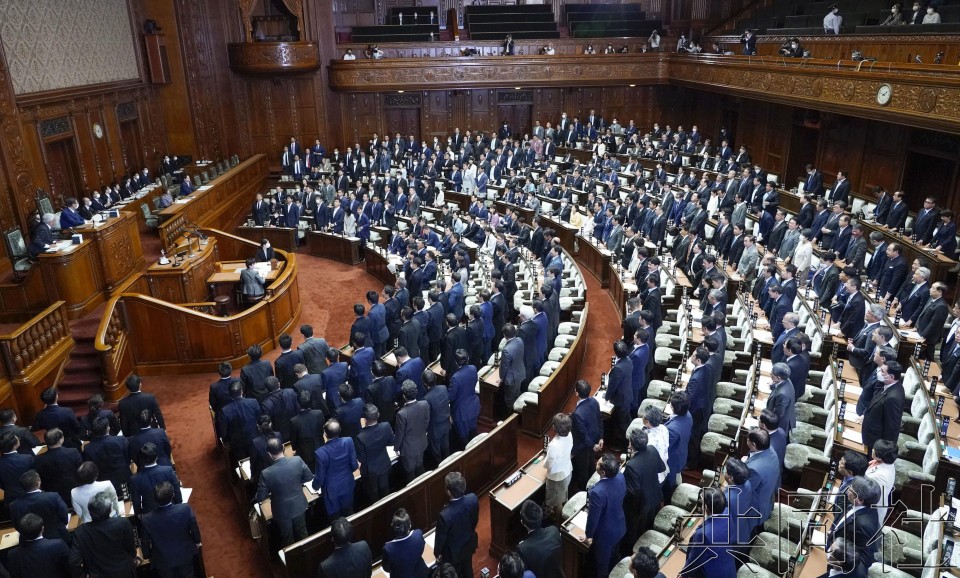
[605, 406]
[853, 436]
[186, 493]
[309, 487]
[182, 201]
[818, 538]
[580, 522]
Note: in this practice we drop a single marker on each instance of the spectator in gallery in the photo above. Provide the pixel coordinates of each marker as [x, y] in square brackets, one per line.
[589, 49]
[349, 55]
[932, 16]
[895, 18]
[654, 41]
[832, 22]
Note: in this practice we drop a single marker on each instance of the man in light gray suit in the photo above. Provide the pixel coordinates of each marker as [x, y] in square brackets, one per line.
[615, 240]
[856, 248]
[790, 239]
[283, 482]
[251, 282]
[782, 400]
[747, 267]
[314, 350]
[512, 371]
[739, 214]
[413, 419]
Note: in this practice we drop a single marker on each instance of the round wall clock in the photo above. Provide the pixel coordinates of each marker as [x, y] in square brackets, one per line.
[97, 130]
[884, 94]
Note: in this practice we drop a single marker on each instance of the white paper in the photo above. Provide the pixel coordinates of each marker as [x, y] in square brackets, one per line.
[818, 538]
[851, 435]
[309, 487]
[245, 466]
[186, 493]
[580, 520]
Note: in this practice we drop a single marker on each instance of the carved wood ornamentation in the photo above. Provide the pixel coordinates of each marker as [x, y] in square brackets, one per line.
[274, 57]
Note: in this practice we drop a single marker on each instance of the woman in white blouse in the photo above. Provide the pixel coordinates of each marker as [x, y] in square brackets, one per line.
[80, 496]
[882, 471]
[803, 256]
[349, 224]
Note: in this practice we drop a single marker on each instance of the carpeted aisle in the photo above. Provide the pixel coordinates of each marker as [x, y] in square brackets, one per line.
[328, 291]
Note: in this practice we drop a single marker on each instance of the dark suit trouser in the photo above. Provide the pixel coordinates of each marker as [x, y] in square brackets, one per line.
[292, 530]
[639, 516]
[616, 427]
[377, 485]
[412, 466]
[583, 468]
[434, 352]
[700, 418]
[440, 444]
[603, 558]
[460, 441]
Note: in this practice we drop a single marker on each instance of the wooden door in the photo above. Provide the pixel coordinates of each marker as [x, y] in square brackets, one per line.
[519, 116]
[406, 121]
[62, 170]
[130, 141]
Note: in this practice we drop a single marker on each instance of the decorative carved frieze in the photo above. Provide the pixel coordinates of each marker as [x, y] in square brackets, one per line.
[52, 127]
[274, 57]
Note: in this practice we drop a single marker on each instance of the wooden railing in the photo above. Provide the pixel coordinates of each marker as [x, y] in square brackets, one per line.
[34, 356]
[19, 301]
[150, 336]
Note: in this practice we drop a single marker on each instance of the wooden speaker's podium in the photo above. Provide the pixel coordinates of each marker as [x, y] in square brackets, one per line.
[84, 274]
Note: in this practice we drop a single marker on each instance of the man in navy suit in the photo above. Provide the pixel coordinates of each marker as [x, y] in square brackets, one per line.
[894, 272]
[253, 376]
[409, 368]
[708, 552]
[883, 414]
[780, 306]
[739, 495]
[512, 370]
[361, 363]
[56, 416]
[456, 295]
[606, 523]
[790, 321]
[913, 296]
[147, 478]
[58, 465]
[932, 318]
[679, 425]
[764, 466]
[171, 536]
[372, 442]
[70, 216]
[639, 357]
[110, 453]
[698, 391]
[620, 394]
[37, 555]
[897, 216]
[237, 422]
[799, 364]
[145, 435]
[438, 432]
[378, 321]
[332, 377]
[464, 402]
[587, 432]
[281, 405]
[48, 505]
[781, 400]
[456, 536]
[927, 219]
[336, 461]
[814, 183]
[852, 316]
[841, 189]
[860, 525]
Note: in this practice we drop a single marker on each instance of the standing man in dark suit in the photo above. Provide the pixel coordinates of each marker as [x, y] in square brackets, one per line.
[56, 416]
[137, 401]
[283, 482]
[58, 465]
[413, 422]
[859, 525]
[336, 462]
[814, 183]
[884, 413]
[438, 432]
[28, 440]
[852, 317]
[782, 400]
[698, 387]
[48, 505]
[931, 319]
[541, 549]
[349, 559]
[680, 426]
[146, 479]
[894, 273]
[260, 211]
[927, 219]
[464, 401]
[606, 524]
[254, 375]
[306, 428]
[104, 546]
[372, 442]
[12, 465]
[620, 394]
[281, 405]
[841, 189]
[512, 370]
[171, 535]
[764, 466]
[37, 555]
[110, 453]
[897, 217]
[708, 552]
[587, 432]
[642, 500]
[283, 366]
[456, 536]
[237, 422]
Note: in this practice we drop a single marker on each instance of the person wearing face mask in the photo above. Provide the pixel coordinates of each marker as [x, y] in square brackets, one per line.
[895, 18]
[96, 204]
[792, 49]
[832, 22]
[932, 16]
[916, 17]
[86, 209]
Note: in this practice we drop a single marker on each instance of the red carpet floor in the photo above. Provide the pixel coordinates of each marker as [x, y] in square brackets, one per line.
[328, 291]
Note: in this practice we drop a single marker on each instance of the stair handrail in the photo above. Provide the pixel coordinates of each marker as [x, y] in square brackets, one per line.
[30, 343]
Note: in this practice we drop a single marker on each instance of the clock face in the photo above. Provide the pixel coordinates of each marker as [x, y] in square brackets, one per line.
[97, 130]
[884, 94]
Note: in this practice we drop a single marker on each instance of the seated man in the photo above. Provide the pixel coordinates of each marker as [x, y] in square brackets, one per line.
[252, 282]
[42, 236]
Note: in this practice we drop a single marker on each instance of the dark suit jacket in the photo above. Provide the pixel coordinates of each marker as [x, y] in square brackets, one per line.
[606, 523]
[56, 416]
[931, 320]
[404, 556]
[105, 548]
[851, 320]
[112, 456]
[413, 421]
[253, 376]
[306, 434]
[43, 557]
[142, 487]
[540, 551]
[587, 424]
[58, 470]
[372, 442]
[897, 217]
[283, 367]
[281, 405]
[351, 561]
[643, 485]
[862, 528]
[131, 406]
[883, 415]
[411, 369]
[764, 469]
[697, 387]
[708, 553]
[171, 536]
[49, 506]
[456, 536]
[620, 384]
[153, 435]
[283, 482]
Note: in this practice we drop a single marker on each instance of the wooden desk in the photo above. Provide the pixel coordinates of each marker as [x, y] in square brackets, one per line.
[284, 238]
[489, 386]
[133, 204]
[335, 247]
[377, 261]
[222, 282]
[222, 203]
[73, 274]
[118, 248]
[482, 465]
[565, 232]
[505, 501]
[621, 289]
[461, 199]
[596, 259]
[524, 212]
[186, 282]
